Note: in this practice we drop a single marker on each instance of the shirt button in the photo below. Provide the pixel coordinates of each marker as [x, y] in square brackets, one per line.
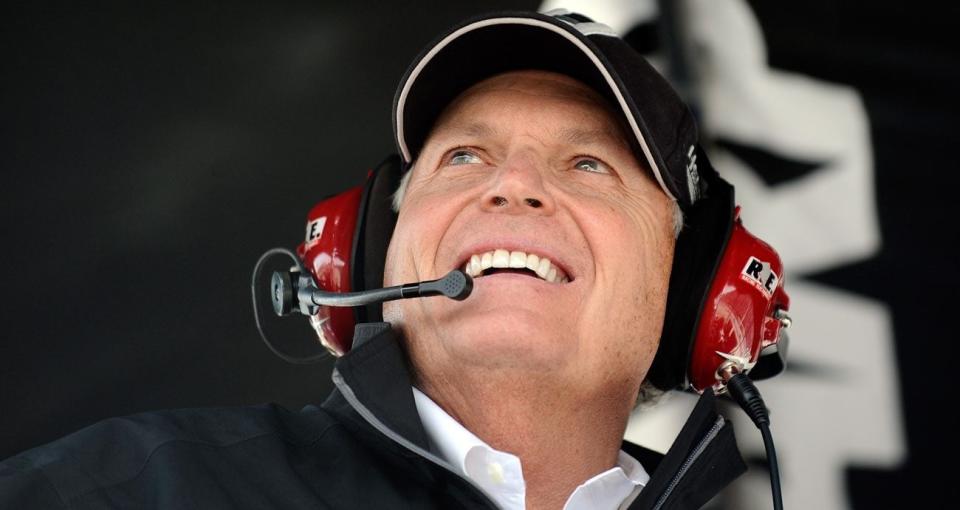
[495, 472]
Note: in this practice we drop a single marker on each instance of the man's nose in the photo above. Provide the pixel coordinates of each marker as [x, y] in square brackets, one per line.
[518, 187]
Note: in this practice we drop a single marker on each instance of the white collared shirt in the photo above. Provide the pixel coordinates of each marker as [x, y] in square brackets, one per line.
[500, 474]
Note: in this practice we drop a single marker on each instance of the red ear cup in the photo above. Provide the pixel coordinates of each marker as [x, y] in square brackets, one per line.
[744, 311]
[726, 305]
[345, 250]
[326, 252]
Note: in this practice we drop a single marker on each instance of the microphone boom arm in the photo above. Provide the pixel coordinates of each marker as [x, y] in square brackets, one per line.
[455, 285]
[287, 287]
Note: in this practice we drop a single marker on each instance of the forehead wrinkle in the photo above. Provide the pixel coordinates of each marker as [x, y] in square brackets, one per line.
[568, 135]
[596, 136]
[469, 129]
[476, 129]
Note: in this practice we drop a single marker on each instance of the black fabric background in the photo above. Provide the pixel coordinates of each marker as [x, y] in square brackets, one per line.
[151, 153]
[903, 60]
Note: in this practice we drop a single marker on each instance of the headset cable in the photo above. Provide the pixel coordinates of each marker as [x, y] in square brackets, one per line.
[743, 391]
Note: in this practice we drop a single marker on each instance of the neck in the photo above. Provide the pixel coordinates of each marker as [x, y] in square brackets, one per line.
[561, 437]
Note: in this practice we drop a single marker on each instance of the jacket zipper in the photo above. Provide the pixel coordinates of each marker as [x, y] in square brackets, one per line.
[701, 446]
[402, 441]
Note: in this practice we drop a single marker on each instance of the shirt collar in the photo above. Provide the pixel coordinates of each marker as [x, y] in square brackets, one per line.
[500, 474]
[610, 488]
[452, 440]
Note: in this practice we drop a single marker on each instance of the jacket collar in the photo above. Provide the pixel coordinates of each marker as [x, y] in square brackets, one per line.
[374, 380]
[702, 460]
[374, 374]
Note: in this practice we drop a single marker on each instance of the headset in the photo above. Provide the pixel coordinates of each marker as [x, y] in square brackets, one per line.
[726, 308]
[725, 321]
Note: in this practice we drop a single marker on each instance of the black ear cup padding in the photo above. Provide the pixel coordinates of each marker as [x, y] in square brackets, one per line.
[375, 223]
[700, 247]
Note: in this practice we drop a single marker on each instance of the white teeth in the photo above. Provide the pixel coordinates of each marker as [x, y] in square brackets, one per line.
[486, 261]
[501, 258]
[474, 265]
[532, 262]
[543, 268]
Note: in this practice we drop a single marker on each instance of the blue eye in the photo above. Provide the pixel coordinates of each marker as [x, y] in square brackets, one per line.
[464, 157]
[591, 165]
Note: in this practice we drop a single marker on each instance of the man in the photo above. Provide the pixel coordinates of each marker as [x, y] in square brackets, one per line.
[533, 171]
[533, 166]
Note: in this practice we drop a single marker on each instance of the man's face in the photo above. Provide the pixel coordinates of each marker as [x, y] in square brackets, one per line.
[534, 162]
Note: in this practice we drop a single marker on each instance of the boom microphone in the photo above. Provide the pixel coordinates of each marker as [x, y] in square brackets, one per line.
[285, 287]
[296, 287]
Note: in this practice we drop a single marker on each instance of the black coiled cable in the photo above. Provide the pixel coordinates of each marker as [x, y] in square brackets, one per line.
[257, 269]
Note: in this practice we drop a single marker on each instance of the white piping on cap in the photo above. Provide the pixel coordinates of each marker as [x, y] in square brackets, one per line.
[585, 27]
[595, 29]
[402, 101]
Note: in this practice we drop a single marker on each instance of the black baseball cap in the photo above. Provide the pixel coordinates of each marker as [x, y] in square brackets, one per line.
[664, 133]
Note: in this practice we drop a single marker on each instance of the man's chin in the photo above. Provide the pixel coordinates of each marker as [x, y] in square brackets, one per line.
[514, 337]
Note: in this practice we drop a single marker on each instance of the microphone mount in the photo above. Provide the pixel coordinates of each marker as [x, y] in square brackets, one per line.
[294, 291]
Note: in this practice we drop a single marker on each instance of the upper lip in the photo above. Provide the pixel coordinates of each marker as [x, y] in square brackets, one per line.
[525, 245]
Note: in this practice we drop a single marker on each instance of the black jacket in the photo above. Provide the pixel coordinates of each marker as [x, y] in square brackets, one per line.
[363, 448]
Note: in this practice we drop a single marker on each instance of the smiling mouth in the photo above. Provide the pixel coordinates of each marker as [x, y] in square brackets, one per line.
[517, 262]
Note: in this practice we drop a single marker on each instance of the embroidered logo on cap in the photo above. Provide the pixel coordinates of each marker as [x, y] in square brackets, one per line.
[583, 24]
[693, 176]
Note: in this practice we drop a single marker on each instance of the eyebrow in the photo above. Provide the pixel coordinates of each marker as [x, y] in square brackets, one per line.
[473, 129]
[570, 135]
[578, 136]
